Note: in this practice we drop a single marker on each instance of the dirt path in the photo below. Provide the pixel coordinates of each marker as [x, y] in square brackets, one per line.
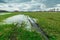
[38, 28]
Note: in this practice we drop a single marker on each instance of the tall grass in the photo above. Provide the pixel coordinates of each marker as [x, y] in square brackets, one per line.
[8, 30]
[48, 21]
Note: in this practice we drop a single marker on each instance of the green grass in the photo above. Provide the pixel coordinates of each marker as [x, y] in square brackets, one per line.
[7, 30]
[49, 21]
[27, 35]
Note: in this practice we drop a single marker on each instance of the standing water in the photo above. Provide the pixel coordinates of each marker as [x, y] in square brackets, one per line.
[19, 19]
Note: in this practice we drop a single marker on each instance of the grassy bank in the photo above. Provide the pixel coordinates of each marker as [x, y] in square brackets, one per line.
[48, 21]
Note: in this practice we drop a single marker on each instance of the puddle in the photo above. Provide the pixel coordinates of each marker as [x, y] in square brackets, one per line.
[19, 19]
[4, 13]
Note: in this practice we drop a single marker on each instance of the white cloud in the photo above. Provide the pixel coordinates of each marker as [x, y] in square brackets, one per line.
[33, 5]
[26, 5]
[58, 5]
[55, 8]
[16, 1]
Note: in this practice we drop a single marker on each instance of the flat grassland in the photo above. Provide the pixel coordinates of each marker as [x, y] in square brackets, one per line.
[48, 21]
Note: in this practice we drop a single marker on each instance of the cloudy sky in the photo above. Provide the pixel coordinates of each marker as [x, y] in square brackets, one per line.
[29, 5]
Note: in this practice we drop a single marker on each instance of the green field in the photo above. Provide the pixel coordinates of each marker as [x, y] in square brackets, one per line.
[48, 21]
